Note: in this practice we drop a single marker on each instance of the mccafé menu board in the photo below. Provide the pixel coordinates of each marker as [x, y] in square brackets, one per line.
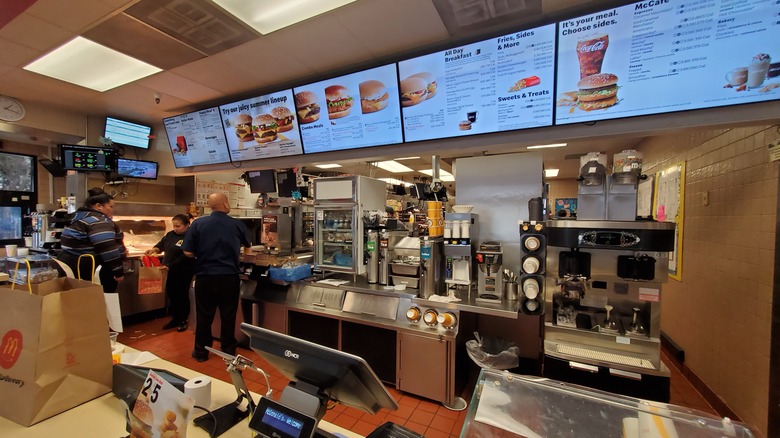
[261, 127]
[500, 84]
[352, 111]
[667, 55]
[197, 138]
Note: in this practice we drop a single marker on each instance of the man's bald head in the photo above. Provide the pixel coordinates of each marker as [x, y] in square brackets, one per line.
[218, 201]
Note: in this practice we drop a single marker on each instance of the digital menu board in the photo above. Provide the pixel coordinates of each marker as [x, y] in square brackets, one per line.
[197, 138]
[261, 127]
[353, 111]
[659, 56]
[499, 84]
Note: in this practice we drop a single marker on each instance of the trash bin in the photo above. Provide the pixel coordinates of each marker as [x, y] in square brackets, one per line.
[493, 353]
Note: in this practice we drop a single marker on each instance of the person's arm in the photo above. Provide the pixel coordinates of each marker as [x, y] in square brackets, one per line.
[103, 237]
[190, 241]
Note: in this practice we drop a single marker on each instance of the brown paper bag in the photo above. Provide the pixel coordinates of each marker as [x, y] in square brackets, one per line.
[151, 280]
[55, 351]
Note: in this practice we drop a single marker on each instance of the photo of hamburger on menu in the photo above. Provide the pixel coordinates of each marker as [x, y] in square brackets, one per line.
[414, 90]
[431, 80]
[373, 96]
[339, 101]
[284, 118]
[243, 126]
[307, 107]
[265, 129]
[598, 91]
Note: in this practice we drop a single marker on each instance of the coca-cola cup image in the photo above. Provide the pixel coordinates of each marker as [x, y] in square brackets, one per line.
[181, 144]
[590, 52]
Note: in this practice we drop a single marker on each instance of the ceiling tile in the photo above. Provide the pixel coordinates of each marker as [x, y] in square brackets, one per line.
[180, 87]
[269, 61]
[63, 14]
[136, 101]
[46, 36]
[16, 54]
[387, 28]
[219, 72]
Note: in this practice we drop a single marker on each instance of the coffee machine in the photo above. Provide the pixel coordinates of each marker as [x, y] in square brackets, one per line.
[458, 248]
[489, 275]
[602, 307]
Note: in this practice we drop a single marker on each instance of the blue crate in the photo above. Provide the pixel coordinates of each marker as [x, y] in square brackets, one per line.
[290, 274]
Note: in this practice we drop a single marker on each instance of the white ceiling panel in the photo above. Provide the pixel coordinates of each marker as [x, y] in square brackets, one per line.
[15, 54]
[64, 14]
[35, 33]
[177, 86]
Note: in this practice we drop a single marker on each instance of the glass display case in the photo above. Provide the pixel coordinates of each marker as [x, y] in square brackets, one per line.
[505, 404]
[335, 238]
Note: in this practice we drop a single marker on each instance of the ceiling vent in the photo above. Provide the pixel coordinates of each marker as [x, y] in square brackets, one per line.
[465, 16]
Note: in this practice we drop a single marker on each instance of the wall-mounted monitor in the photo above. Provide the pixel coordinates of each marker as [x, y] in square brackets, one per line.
[353, 111]
[11, 225]
[500, 84]
[17, 173]
[261, 127]
[136, 168]
[197, 138]
[87, 158]
[261, 181]
[656, 57]
[125, 133]
[285, 181]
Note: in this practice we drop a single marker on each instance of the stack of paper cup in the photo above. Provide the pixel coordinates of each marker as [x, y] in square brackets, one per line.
[10, 250]
[435, 219]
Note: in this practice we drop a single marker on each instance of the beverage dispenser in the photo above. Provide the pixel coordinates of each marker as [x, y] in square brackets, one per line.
[458, 248]
[623, 183]
[431, 266]
[489, 275]
[592, 190]
[372, 256]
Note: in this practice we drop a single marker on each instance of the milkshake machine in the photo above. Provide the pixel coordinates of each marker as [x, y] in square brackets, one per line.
[602, 307]
[458, 248]
[489, 275]
[592, 188]
[623, 184]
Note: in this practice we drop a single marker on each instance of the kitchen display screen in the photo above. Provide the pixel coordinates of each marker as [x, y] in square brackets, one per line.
[352, 111]
[197, 138]
[261, 127]
[667, 55]
[126, 133]
[500, 84]
[85, 158]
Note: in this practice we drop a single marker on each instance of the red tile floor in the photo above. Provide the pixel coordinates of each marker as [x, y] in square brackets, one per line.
[418, 414]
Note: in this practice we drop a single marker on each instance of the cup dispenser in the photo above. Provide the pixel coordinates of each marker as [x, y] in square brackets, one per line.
[489, 274]
[533, 246]
[592, 188]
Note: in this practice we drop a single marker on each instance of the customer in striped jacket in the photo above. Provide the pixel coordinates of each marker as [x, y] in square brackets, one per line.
[92, 231]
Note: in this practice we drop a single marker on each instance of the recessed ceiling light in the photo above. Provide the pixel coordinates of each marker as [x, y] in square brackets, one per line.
[392, 166]
[328, 166]
[91, 65]
[406, 158]
[551, 173]
[265, 16]
[443, 174]
[543, 146]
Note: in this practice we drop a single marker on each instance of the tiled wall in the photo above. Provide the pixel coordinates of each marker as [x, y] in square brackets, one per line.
[720, 312]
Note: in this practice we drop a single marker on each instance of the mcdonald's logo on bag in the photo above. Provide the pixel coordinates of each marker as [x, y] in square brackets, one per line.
[10, 348]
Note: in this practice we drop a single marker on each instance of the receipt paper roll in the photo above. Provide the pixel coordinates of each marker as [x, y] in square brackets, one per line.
[199, 389]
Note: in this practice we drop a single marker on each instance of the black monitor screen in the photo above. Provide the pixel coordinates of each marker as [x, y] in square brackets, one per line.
[344, 377]
[10, 223]
[261, 181]
[136, 168]
[17, 173]
[126, 133]
[86, 158]
[286, 182]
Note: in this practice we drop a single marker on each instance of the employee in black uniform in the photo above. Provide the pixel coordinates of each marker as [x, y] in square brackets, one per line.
[215, 241]
[92, 231]
[180, 271]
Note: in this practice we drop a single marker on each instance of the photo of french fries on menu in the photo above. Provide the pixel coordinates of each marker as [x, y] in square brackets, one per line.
[261, 127]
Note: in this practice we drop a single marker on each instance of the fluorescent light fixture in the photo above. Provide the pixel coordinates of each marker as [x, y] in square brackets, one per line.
[395, 181]
[551, 173]
[91, 65]
[406, 158]
[328, 166]
[266, 16]
[543, 146]
[392, 166]
[443, 174]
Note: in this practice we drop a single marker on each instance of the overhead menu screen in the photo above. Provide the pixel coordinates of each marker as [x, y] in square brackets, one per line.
[261, 127]
[667, 55]
[501, 84]
[197, 138]
[353, 111]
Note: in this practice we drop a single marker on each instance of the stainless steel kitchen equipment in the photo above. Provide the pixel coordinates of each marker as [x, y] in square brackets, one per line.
[489, 275]
[431, 266]
[372, 256]
[592, 189]
[339, 207]
[384, 257]
[597, 274]
[404, 260]
[459, 251]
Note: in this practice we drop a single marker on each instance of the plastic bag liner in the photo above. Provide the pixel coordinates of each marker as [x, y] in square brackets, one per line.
[493, 353]
[290, 273]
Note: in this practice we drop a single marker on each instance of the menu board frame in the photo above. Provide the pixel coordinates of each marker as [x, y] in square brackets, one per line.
[179, 145]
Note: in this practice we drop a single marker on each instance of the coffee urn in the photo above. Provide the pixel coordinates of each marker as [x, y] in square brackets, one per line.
[431, 266]
[372, 256]
[384, 258]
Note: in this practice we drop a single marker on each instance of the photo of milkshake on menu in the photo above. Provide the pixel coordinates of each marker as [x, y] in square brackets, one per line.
[659, 56]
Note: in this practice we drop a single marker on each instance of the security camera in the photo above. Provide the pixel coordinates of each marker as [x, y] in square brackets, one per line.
[157, 98]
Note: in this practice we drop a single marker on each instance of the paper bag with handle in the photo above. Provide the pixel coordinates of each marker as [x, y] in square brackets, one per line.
[54, 348]
[151, 279]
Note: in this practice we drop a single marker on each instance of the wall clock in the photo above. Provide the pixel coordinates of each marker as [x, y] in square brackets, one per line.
[11, 110]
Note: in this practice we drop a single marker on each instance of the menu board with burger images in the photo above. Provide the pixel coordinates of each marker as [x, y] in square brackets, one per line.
[261, 127]
[353, 111]
[197, 138]
[659, 56]
[500, 84]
